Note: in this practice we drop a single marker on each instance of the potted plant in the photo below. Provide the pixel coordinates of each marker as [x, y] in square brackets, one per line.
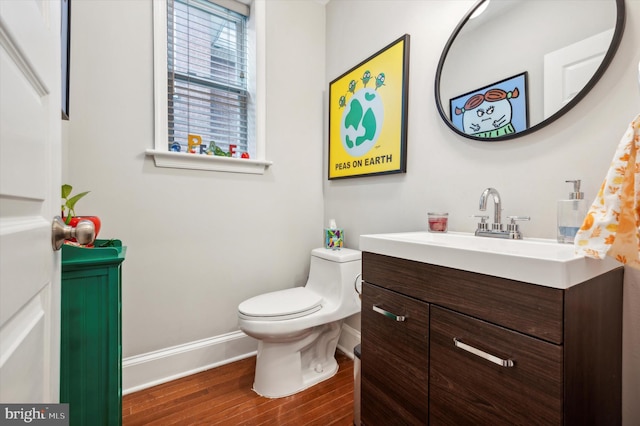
[68, 209]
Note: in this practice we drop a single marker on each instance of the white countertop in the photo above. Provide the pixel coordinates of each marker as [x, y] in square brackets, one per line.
[536, 261]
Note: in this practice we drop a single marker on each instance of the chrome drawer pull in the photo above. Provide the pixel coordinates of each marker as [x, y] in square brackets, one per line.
[483, 354]
[388, 314]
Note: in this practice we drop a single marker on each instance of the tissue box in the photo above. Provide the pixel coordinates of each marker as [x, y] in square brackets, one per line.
[333, 238]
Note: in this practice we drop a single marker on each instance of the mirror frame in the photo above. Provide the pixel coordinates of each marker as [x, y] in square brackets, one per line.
[606, 61]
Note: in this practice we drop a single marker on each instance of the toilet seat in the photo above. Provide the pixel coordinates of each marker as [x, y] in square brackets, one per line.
[281, 305]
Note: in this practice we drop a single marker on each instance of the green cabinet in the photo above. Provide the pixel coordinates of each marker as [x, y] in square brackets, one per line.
[91, 340]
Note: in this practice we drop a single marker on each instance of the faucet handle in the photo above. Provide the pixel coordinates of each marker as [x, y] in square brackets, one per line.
[514, 218]
[482, 225]
[512, 226]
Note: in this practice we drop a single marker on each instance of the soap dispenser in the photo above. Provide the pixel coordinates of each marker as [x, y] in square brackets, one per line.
[571, 214]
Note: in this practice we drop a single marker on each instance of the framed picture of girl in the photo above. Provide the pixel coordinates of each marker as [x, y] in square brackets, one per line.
[493, 111]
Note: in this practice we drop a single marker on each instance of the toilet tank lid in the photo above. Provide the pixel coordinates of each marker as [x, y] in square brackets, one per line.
[342, 255]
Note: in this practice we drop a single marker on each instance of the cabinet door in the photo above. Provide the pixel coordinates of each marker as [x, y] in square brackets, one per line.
[91, 353]
[491, 375]
[395, 358]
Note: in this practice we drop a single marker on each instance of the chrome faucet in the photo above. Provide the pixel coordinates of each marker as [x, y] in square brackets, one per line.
[497, 207]
[497, 231]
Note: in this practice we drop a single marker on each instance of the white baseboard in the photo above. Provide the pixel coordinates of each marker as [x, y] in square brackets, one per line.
[349, 338]
[153, 368]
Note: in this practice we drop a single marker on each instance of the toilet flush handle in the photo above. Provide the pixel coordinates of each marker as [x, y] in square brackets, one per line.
[355, 285]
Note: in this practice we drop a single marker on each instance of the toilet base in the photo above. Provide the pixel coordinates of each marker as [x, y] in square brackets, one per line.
[283, 369]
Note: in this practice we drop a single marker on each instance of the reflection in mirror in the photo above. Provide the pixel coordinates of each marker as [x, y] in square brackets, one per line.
[518, 65]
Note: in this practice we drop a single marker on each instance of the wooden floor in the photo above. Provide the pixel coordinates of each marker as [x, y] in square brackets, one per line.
[223, 396]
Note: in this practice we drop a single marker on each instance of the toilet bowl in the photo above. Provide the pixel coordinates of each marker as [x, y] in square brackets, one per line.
[298, 328]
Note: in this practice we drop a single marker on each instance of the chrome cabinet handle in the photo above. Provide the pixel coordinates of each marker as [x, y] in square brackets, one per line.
[482, 354]
[399, 318]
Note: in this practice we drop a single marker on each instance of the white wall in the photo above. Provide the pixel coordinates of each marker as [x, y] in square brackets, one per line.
[446, 172]
[198, 242]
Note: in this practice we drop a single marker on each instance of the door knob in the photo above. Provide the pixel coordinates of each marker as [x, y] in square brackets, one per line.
[84, 232]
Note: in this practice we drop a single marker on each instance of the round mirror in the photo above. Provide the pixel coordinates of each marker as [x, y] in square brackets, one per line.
[512, 67]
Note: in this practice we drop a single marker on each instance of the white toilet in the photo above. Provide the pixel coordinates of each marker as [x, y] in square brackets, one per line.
[298, 328]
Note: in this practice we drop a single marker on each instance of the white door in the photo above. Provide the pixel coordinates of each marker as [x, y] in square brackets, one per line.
[568, 70]
[30, 138]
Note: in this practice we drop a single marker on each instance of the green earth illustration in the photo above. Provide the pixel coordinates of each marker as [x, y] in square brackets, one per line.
[361, 122]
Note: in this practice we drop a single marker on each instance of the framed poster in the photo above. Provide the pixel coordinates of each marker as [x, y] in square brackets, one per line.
[492, 111]
[368, 115]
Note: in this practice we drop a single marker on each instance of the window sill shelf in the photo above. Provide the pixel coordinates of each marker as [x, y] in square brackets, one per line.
[182, 160]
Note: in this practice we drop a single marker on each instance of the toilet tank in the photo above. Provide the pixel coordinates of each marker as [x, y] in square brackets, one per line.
[332, 274]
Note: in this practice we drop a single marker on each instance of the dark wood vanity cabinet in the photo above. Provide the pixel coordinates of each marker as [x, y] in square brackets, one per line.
[442, 346]
[458, 380]
[395, 368]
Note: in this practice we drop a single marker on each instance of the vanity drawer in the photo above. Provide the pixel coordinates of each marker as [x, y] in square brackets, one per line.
[468, 386]
[395, 358]
[531, 309]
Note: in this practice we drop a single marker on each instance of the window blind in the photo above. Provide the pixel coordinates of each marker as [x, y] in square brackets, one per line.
[207, 76]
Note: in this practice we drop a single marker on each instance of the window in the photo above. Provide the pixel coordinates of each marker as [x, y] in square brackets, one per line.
[207, 77]
[205, 80]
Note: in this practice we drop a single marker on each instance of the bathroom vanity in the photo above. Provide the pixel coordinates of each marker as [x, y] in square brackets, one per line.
[458, 329]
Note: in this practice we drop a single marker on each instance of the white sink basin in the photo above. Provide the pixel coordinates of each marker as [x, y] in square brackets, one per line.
[532, 260]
